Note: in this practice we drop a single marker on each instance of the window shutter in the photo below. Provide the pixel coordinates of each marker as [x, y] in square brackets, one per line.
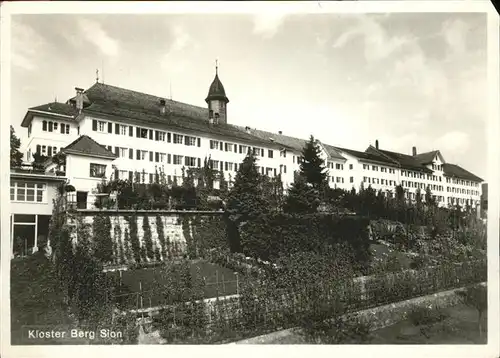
[130, 176]
[50, 151]
[186, 162]
[94, 125]
[241, 149]
[226, 165]
[117, 128]
[199, 142]
[117, 151]
[137, 132]
[221, 146]
[225, 147]
[110, 127]
[156, 135]
[169, 137]
[199, 160]
[138, 154]
[235, 148]
[186, 140]
[211, 144]
[44, 125]
[157, 157]
[169, 158]
[151, 134]
[221, 165]
[116, 174]
[61, 128]
[150, 156]
[131, 153]
[150, 178]
[261, 152]
[130, 131]
[38, 148]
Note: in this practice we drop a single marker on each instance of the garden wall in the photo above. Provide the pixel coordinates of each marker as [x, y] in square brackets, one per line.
[148, 236]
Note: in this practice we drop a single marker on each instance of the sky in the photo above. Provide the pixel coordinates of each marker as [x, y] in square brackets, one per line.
[404, 79]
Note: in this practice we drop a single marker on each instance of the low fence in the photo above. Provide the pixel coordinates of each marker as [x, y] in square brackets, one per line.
[242, 316]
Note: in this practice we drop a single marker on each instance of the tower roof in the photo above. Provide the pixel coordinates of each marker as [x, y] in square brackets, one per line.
[216, 90]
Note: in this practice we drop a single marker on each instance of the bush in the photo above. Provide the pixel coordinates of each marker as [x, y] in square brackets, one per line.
[420, 316]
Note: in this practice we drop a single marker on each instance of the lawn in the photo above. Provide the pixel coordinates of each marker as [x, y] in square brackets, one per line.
[381, 251]
[219, 281]
[460, 327]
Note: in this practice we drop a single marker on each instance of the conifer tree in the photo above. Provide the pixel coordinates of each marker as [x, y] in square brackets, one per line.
[302, 197]
[312, 167]
[16, 157]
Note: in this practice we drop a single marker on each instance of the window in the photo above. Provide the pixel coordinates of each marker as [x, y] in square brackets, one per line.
[215, 144]
[144, 154]
[97, 170]
[365, 166]
[178, 139]
[123, 129]
[122, 152]
[351, 167]
[25, 191]
[162, 157]
[270, 153]
[44, 150]
[44, 126]
[55, 126]
[190, 161]
[177, 159]
[143, 133]
[229, 166]
[160, 135]
[339, 166]
[123, 174]
[190, 141]
[214, 164]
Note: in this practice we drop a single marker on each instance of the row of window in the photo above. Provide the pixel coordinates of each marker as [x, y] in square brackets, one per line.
[437, 167]
[453, 200]
[341, 180]
[462, 191]
[46, 150]
[376, 168]
[52, 126]
[379, 181]
[145, 133]
[337, 166]
[27, 192]
[462, 182]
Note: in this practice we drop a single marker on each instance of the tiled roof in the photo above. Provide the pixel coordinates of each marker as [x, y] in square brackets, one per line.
[216, 90]
[453, 170]
[88, 146]
[426, 158]
[366, 156]
[142, 102]
[294, 143]
[404, 160]
[125, 103]
[53, 107]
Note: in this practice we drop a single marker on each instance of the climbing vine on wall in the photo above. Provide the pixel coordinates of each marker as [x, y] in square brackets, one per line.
[148, 242]
[119, 253]
[161, 236]
[101, 230]
[134, 238]
[191, 245]
[127, 246]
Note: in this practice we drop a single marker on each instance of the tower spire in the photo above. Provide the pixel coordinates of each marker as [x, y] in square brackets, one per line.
[97, 75]
[216, 66]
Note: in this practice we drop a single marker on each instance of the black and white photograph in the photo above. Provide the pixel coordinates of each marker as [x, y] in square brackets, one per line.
[261, 178]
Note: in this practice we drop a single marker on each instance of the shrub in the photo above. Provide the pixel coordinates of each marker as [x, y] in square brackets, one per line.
[428, 315]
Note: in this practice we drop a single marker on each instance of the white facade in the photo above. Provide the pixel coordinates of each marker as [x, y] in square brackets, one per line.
[153, 148]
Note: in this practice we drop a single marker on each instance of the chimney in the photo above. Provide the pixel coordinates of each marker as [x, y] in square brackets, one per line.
[414, 151]
[376, 143]
[163, 107]
[280, 132]
[79, 98]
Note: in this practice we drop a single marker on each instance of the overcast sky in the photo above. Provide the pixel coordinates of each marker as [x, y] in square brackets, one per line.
[404, 79]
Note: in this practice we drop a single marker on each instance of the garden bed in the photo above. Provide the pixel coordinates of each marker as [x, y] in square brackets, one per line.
[220, 281]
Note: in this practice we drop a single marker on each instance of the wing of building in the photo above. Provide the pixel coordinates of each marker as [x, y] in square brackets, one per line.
[117, 133]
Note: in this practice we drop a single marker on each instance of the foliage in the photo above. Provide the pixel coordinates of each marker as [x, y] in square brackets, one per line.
[476, 297]
[38, 161]
[312, 167]
[428, 315]
[102, 238]
[148, 242]
[161, 236]
[302, 197]
[134, 238]
[16, 157]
